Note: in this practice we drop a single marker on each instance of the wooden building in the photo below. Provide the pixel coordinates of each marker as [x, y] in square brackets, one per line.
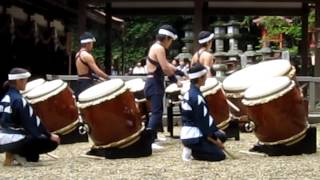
[79, 11]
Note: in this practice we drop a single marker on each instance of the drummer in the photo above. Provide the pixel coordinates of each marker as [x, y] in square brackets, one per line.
[198, 124]
[157, 67]
[22, 135]
[87, 69]
[203, 55]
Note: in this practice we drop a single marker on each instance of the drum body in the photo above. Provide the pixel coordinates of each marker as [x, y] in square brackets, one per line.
[136, 86]
[217, 102]
[236, 84]
[54, 103]
[110, 111]
[277, 110]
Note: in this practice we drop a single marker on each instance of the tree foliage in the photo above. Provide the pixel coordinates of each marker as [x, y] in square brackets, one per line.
[136, 37]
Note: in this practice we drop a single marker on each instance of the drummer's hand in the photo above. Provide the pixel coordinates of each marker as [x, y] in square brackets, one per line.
[219, 143]
[55, 138]
[103, 79]
[179, 84]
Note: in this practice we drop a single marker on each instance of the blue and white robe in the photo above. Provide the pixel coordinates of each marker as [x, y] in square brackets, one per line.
[18, 120]
[196, 119]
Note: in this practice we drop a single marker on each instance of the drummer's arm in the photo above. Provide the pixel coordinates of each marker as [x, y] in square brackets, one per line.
[166, 67]
[94, 67]
[208, 62]
[30, 124]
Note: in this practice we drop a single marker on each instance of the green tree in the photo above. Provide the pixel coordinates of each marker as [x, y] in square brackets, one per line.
[138, 35]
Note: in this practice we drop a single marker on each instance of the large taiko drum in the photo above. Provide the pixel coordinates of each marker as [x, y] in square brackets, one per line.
[217, 102]
[54, 103]
[110, 111]
[236, 84]
[32, 84]
[136, 86]
[277, 110]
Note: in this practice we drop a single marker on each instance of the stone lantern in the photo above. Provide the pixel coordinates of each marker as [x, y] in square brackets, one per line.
[233, 54]
[188, 37]
[219, 54]
[265, 51]
[251, 56]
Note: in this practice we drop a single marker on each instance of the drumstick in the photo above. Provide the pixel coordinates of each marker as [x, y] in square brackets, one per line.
[303, 86]
[92, 157]
[229, 154]
[233, 106]
[52, 156]
[253, 153]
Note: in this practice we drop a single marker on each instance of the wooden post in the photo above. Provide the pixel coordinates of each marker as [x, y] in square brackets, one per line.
[82, 16]
[317, 50]
[69, 51]
[304, 42]
[197, 21]
[108, 29]
[205, 21]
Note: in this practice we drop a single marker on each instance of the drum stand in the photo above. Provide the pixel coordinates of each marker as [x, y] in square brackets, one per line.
[307, 145]
[233, 130]
[170, 115]
[75, 135]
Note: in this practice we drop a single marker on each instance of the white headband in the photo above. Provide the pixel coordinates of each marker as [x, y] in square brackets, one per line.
[204, 40]
[168, 33]
[197, 74]
[88, 40]
[19, 76]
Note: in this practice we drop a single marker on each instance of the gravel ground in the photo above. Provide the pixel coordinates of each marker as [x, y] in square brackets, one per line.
[167, 164]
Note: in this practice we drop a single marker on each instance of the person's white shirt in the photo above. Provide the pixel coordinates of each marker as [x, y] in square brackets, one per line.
[138, 70]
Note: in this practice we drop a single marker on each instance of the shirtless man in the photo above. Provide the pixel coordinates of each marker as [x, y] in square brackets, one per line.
[203, 56]
[157, 67]
[87, 68]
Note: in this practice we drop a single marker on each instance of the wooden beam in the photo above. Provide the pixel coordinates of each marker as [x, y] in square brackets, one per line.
[304, 1]
[304, 42]
[210, 11]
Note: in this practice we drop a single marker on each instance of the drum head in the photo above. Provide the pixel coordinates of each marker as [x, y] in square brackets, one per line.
[32, 84]
[268, 90]
[100, 90]
[244, 78]
[135, 85]
[172, 88]
[45, 89]
[209, 84]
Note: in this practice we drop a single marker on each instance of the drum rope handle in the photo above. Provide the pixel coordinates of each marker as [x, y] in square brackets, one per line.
[224, 124]
[288, 141]
[67, 129]
[121, 142]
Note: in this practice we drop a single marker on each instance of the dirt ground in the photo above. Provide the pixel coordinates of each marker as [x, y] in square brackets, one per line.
[167, 164]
